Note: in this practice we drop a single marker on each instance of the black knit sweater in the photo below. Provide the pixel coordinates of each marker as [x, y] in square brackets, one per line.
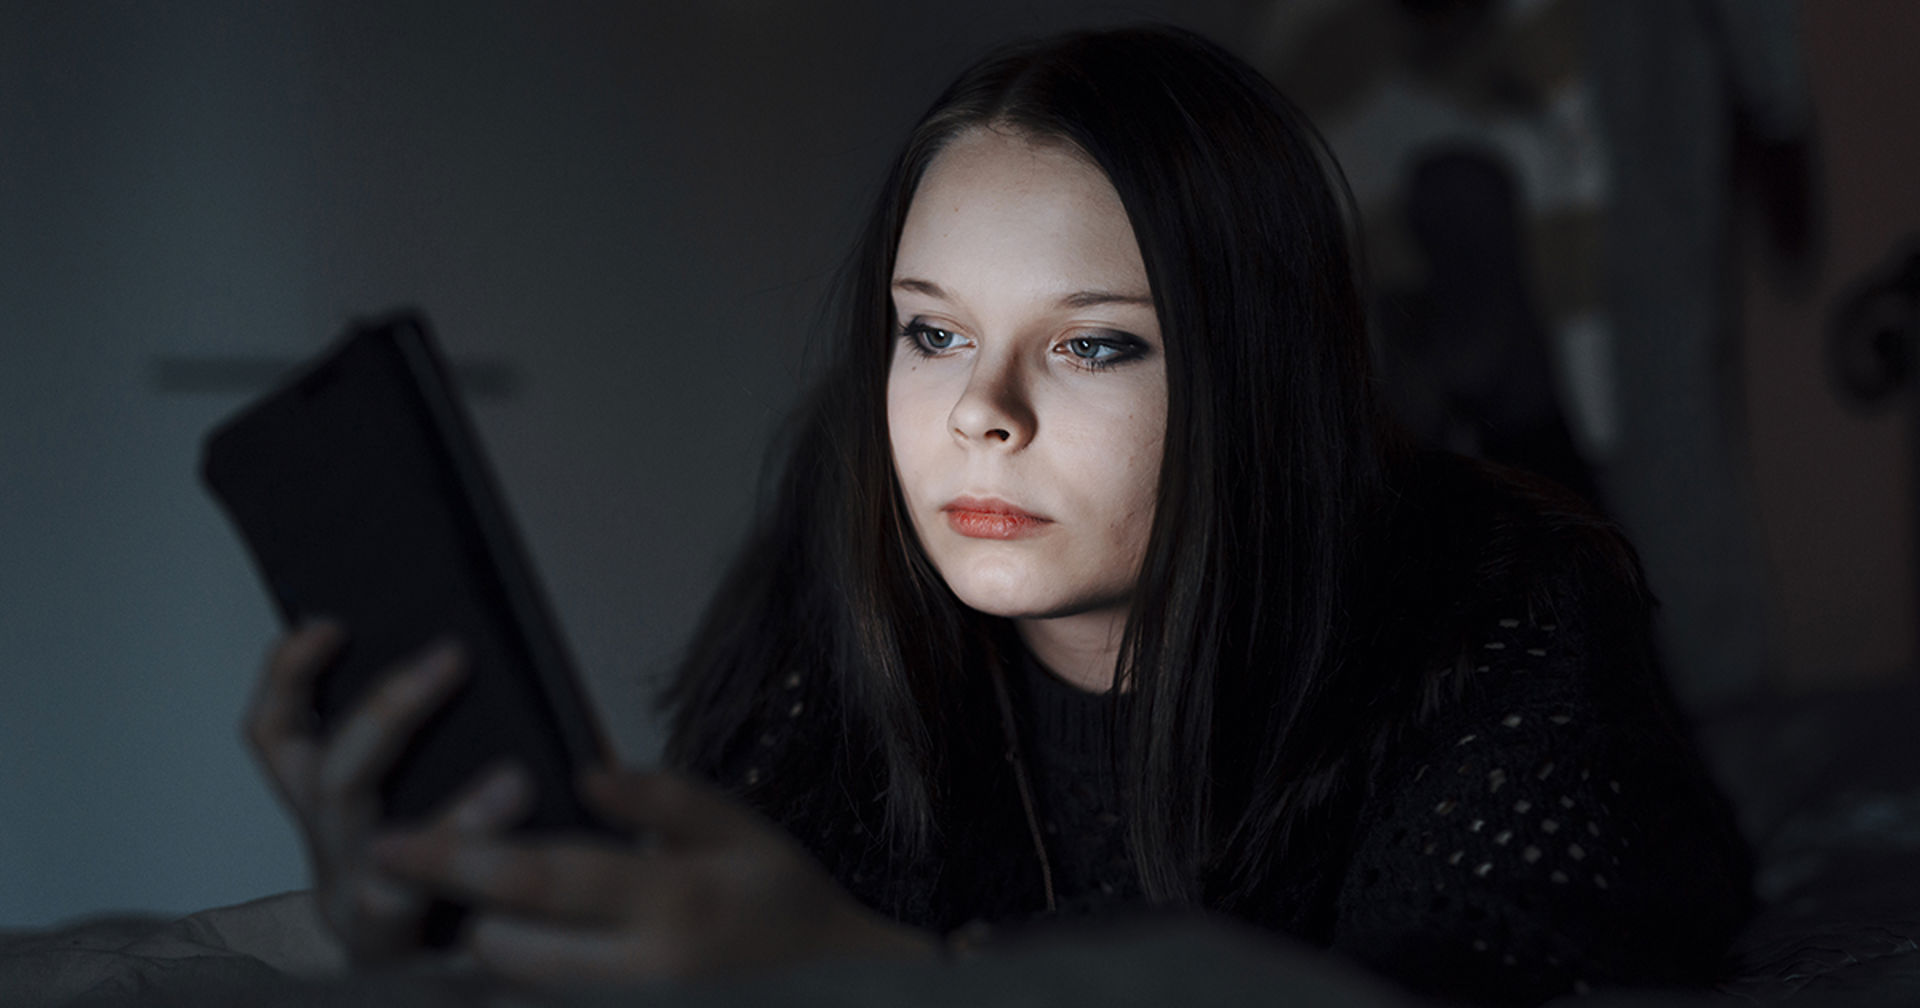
[1542, 828]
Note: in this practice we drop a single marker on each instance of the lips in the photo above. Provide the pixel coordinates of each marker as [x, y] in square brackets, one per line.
[991, 518]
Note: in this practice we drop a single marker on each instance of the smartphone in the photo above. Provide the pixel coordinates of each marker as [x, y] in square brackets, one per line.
[362, 494]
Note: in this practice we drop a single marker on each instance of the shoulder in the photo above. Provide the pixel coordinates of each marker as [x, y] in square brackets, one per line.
[1481, 574]
[1486, 531]
[1544, 820]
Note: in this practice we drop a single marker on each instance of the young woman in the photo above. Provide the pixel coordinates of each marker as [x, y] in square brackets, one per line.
[1097, 581]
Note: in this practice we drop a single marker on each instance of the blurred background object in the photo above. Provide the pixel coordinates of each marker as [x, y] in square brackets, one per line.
[622, 216]
[1546, 188]
[1620, 220]
[1872, 345]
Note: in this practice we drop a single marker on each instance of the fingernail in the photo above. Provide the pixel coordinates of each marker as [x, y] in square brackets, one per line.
[441, 660]
[428, 675]
[504, 788]
[322, 626]
[391, 848]
[599, 784]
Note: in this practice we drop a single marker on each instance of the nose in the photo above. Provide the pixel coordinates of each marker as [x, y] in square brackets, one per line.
[994, 410]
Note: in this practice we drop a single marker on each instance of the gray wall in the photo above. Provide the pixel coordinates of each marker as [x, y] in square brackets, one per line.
[633, 207]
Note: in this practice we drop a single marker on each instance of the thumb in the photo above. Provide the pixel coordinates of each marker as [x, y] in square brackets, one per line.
[680, 810]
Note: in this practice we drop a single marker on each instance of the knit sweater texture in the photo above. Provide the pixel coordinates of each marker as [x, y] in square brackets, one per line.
[1544, 828]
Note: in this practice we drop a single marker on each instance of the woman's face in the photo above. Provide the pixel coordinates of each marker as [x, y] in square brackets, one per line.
[1027, 398]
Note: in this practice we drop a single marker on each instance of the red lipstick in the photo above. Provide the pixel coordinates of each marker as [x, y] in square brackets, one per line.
[988, 518]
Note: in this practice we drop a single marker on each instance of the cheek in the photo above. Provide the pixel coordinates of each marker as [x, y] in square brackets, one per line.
[1140, 491]
[1137, 480]
[1120, 452]
[1111, 466]
[907, 427]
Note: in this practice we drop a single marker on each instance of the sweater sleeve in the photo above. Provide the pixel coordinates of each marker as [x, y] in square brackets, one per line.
[1552, 830]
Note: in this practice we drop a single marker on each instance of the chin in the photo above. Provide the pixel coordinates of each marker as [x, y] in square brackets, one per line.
[996, 591]
[1000, 590]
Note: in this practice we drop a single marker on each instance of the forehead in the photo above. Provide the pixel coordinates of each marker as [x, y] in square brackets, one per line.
[1005, 207]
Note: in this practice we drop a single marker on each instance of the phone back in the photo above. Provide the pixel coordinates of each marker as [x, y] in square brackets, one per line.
[362, 495]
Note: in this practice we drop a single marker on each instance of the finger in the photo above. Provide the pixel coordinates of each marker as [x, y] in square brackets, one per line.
[376, 911]
[681, 811]
[499, 798]
[366, 744]
[541, 952]
[278, 723]
[283, 698]
[566, 880]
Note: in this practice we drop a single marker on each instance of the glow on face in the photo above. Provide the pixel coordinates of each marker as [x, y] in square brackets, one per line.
[1027, 396]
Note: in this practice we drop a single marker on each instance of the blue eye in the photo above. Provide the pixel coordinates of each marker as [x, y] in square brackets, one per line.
[1088, 349]
[928, 340]
[1106, 350]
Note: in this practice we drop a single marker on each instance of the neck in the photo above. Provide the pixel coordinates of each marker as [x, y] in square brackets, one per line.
[1082, 649]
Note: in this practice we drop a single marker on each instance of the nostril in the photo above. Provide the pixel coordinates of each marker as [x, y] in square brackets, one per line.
[1000, 434]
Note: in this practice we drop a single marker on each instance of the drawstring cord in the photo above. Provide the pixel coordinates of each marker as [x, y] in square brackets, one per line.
[1020, 781]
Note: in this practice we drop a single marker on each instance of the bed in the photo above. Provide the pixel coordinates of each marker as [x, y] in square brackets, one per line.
[1827, 788]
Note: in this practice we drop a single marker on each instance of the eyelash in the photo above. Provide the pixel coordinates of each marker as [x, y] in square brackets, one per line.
[1126, 347]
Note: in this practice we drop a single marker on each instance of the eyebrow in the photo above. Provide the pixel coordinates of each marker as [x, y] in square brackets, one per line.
[1077, 299]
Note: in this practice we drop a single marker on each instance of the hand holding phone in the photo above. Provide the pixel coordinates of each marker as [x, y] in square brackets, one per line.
[363, 497]
[430, 735]
[330, 784]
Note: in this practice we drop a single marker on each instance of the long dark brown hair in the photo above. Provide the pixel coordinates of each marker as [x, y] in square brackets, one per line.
[1269, 499]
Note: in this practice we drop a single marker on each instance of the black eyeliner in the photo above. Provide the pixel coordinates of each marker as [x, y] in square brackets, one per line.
[1128, 348]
